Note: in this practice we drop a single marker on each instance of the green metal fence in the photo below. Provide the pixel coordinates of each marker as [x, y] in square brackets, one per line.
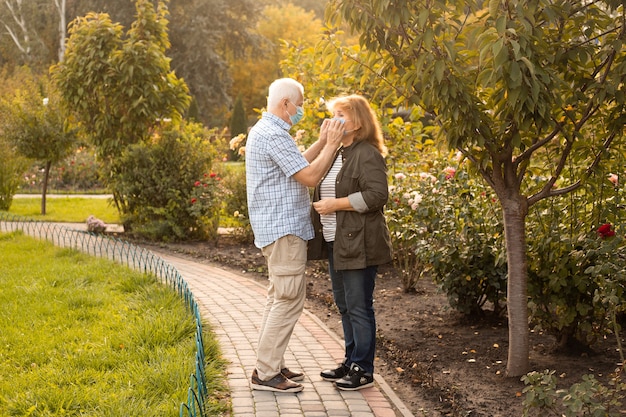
[134, 257]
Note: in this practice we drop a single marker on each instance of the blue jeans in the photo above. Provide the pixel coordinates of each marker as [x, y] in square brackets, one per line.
[353, 291]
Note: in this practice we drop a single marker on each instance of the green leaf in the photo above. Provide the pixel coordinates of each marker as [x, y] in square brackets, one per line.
[439, 70]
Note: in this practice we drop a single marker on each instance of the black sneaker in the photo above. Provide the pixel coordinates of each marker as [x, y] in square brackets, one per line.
[294, 376]
[335, 374]
[356, 379]
[277, 384]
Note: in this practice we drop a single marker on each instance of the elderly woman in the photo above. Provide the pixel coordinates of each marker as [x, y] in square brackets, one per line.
[351, 231]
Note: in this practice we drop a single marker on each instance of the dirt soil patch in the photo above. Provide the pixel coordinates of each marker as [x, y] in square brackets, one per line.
[437, 362]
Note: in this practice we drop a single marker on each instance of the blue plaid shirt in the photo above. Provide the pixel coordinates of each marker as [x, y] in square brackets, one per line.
[278, 204]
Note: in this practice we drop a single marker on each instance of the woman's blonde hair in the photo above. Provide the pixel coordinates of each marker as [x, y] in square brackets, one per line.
[358, 109]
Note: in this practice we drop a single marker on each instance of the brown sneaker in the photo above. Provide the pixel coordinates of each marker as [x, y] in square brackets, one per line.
[277, 384]
[294, 376]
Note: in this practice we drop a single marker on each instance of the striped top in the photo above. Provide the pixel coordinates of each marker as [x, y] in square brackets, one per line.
[327, 190]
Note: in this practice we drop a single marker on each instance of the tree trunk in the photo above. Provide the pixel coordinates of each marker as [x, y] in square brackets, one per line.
[514, 213]
[44, 191]
[60, 4]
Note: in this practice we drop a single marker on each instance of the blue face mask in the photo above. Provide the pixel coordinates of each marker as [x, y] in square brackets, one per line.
[295, 118]
[343, 121]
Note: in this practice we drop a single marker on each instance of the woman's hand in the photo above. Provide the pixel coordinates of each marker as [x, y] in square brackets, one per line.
[325, 206]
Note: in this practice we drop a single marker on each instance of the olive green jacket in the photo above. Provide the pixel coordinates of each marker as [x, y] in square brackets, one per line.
[362, 236]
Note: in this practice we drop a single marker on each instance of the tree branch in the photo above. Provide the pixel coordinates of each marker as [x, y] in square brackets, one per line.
[564, 190]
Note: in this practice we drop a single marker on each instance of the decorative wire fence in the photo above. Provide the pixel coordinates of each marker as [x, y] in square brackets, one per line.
[134, 257]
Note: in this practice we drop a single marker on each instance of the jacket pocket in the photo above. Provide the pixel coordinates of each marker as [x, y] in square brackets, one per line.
[352, 243]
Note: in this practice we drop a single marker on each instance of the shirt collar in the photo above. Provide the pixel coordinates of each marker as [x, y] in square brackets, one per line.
[275, 119]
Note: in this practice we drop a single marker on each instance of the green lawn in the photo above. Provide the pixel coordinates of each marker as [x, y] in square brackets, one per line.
[66, 209]
[83, 336]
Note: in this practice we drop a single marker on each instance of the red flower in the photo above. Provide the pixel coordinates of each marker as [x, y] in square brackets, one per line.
[197, 184]
[213, 174]
[193, 200]
[605, 231]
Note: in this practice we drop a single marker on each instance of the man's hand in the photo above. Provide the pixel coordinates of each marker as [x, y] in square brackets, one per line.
[331, 132]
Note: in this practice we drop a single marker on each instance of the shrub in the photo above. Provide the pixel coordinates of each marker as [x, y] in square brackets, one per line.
[165, 190]
[443, 222]
[408, 221]
[78, 172]
[586, 398]
[235, 200]
[577, 264]
[11, 169]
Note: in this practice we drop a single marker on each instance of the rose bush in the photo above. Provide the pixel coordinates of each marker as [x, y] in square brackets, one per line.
[447, 224]
[577, 263]
[204, 205]
[156, 182]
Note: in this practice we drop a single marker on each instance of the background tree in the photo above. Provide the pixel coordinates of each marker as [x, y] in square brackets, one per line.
[204, 35]
[29, 33]
[521, 89]
[61, 6]
[238, 121]
[238, 126]
[253, 70]
[35, 123]
[119, 89]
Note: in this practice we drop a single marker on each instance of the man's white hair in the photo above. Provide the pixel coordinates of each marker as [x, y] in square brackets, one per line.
[284, 88]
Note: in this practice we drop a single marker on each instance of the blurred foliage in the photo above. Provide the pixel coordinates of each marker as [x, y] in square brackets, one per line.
[158, 181]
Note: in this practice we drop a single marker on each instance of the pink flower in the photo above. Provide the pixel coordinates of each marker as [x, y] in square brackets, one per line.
[605, 231]
[197, 184]
[427, 176]
[400, 176]
[450, 171]
[614, 178]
